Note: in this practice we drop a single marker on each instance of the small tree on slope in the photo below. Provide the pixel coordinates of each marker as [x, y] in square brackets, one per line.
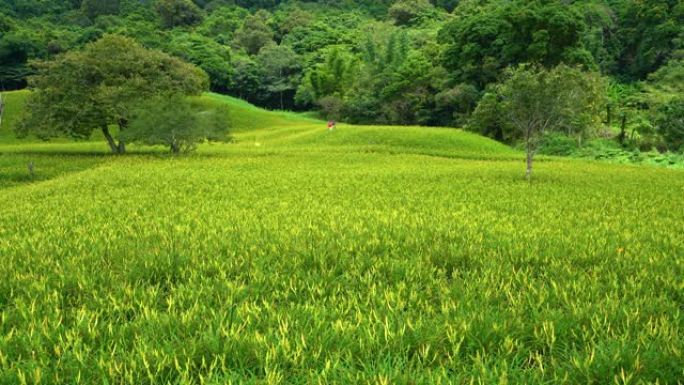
[533, 101]
[99, 86]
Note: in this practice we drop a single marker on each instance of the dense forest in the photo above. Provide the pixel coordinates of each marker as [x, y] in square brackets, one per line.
[391, 62]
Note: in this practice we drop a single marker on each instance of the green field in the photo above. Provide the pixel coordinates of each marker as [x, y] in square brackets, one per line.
[368, 255]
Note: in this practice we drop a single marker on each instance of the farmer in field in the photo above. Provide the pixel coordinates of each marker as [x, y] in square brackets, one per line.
[331, 125]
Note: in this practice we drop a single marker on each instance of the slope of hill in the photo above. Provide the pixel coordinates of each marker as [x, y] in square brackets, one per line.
[364, 255]
[255, 131]
[255, 127]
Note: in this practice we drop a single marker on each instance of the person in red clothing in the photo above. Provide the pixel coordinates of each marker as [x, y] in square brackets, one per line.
[331, 125]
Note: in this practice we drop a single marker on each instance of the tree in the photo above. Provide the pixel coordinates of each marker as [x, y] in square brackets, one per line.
[207, 54]
[246, 80]
[533, 101]
[95, 8]
[222, 23]
[99, 86]
[174, 13]
[254, 34]
[281, 71]
[649, 33]
[670, 123]
[334, 76]
[288, 20]
[483, 41]
[171, 120]
[17, 46]
[406, 12]
[2, 107]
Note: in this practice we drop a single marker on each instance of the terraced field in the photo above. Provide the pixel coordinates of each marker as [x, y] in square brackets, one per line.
[369, 255]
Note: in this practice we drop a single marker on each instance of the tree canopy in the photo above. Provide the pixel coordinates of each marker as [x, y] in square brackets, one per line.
[97, 87]
[176, 122]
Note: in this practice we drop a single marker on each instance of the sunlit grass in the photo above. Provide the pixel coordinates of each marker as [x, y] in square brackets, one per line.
[370, 255]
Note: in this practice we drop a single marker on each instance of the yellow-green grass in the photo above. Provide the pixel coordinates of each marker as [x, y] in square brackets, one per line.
[14, 104]
[368, 255]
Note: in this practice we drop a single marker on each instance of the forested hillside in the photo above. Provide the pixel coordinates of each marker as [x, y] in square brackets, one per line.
[391, 62]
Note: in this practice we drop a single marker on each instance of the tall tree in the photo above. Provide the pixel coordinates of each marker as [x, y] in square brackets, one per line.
[98, 87]
[254, 34]
[281, 71]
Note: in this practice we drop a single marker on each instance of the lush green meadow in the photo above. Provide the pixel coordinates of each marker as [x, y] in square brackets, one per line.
[369, 255]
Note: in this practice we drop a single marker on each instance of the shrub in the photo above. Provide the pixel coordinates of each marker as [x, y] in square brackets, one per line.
[175, 122]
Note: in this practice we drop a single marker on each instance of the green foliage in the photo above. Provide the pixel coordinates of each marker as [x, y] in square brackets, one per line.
[458, 102]
[221, 24]
[334, 76]
[407, 12]
[174, 13]
[254, 34]
[483, 41]
[487, 119]
[611, 151]
[207, 54]
[174, 122]
[316, 37]
[281, 71]
[670, 123]
[95, 8]
[533, 101]
[666, 83]
[288, 20]
[246, 80]
[650, 32]
[97, 87]
[559, 144]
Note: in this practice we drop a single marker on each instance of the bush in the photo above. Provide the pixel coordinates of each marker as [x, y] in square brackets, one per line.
[174, 13]
[176, 122]
[558, 144]
[670, 124]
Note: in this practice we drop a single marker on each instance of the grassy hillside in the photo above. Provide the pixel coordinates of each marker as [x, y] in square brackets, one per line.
[14, 103]
[370, 255]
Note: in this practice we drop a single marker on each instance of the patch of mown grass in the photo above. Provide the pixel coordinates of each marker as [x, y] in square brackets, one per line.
[333, 267]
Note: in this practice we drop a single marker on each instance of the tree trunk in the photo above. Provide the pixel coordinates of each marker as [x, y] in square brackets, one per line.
[123, 123]
[282, 107]
[528, 173]
[175, 148]
[530, 155]
[623, 129]
[110, 140]
[2, 107]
